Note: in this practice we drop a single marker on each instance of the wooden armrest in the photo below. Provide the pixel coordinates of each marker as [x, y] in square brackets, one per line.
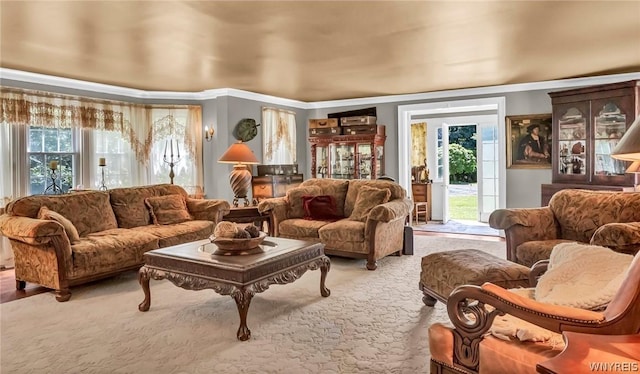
[536, 271]
[548, 316]
[472, 310]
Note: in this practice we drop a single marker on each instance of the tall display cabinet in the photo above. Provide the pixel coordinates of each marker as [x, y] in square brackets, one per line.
[587, 124]
[348, 156]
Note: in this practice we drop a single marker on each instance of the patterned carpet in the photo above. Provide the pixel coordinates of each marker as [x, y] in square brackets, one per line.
[373, 322]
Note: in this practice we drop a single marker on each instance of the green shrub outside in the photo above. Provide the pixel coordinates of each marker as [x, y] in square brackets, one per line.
[462, 164]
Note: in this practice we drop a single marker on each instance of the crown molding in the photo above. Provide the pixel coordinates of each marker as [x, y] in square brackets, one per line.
[266, 98]
[489, 90]
[50, 80]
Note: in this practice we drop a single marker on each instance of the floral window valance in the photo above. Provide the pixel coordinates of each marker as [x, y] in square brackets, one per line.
[133, 121]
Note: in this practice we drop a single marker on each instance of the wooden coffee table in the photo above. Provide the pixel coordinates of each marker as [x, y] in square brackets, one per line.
[193, 266]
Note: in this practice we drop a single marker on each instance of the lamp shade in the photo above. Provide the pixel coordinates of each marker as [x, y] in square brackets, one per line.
[628, 148]
[239, 153]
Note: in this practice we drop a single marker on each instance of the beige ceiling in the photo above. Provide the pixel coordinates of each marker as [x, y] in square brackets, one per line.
[313, 51]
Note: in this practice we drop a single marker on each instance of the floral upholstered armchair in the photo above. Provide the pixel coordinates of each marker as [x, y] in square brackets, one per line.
[605, 218]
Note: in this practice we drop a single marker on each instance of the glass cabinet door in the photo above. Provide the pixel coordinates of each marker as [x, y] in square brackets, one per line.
[322, 162]
[610, 124]
[364, 161]
[379, 161]
[342, 160]
[572, 140]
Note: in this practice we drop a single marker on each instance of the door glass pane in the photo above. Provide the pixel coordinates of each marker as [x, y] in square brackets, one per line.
[571, 143]
[439, 161]
[488, 186]
[489, 170]
[610, 126]
[489, 203]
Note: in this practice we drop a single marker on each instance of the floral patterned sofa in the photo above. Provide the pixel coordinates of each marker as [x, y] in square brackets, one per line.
[604, 218]
[368, 221]
[61, 241]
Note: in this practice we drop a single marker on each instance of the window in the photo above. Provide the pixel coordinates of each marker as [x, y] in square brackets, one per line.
[40, 128]
[120, 160]
[170, 127]
[279, 138]
[47, 144]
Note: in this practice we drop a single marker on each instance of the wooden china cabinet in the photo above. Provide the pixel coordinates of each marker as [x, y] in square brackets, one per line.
[587, 124]
[359, 156]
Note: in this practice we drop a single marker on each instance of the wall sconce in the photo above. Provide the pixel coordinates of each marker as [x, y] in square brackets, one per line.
[208, 133]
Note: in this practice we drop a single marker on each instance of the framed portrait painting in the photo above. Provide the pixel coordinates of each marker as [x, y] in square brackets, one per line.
[529, 141]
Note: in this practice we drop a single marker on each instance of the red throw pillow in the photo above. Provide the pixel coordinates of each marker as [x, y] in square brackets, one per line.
[320, 208]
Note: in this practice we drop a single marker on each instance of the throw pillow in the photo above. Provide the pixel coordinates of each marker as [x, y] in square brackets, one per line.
[294, 196]
[368, 198]
[69, 228]
[168, 209]
[320, 208]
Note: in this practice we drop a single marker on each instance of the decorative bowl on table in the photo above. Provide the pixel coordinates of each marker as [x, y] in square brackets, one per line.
[233, 246]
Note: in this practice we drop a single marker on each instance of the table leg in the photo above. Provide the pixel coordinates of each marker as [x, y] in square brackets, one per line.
[143, 279]
[243, 299]
[324, 269]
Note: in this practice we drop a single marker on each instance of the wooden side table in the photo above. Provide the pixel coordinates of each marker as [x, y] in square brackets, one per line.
[589, 353]
[421, 193]
[249, 214]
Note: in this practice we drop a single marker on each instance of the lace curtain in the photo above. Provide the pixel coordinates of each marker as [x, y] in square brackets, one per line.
[184, 128]
[23, 107]
[279, 145]
[142, 127]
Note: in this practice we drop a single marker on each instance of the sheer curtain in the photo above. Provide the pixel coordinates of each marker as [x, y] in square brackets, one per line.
[279, 145]
[177, 131]
[130, 137]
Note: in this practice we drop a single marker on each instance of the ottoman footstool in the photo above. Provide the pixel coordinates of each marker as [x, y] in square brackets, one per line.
[442, 272]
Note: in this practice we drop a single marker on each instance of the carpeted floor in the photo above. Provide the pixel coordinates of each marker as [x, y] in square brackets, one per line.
[373, 322]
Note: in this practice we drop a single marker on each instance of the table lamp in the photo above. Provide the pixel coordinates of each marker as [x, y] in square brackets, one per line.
[628, 149]
[240, 178]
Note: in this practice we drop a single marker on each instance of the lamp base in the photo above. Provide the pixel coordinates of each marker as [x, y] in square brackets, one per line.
[240, 179]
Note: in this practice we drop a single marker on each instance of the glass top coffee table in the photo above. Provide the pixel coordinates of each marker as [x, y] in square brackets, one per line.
[193, 266]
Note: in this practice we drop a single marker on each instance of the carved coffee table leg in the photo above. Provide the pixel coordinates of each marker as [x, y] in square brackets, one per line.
[243, 298]
[324, 269]
[143, 279]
